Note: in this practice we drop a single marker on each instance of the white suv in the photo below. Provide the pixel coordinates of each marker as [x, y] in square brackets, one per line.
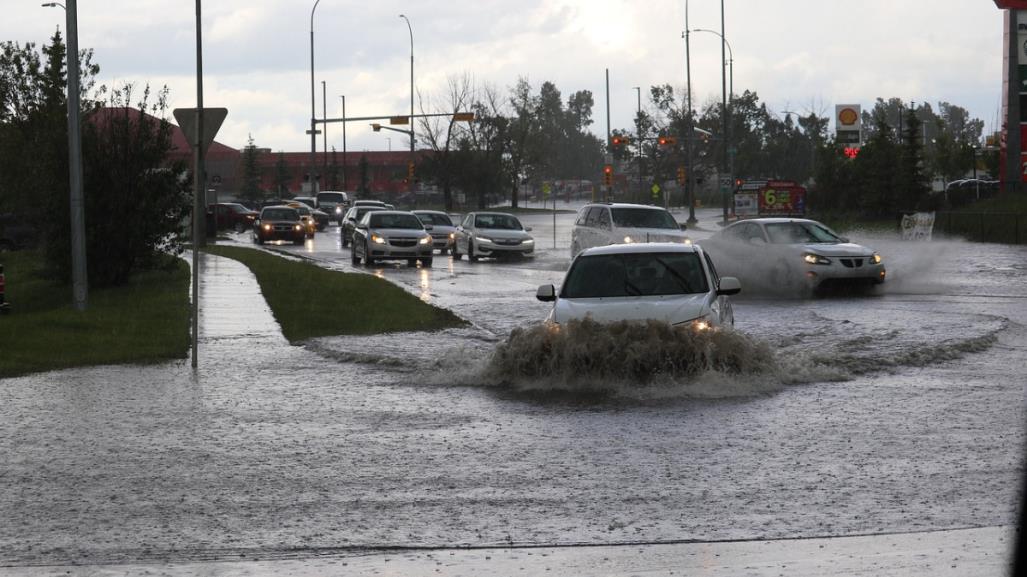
[601, 224]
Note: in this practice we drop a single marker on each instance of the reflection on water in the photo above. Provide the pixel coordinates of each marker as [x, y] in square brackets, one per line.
[424, 275]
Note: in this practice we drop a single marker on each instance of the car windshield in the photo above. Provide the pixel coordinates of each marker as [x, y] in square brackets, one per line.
[800, 232]
[302, 210]
[330, 197]
[361, 211]
[643, 218]
[435, 218]
[280, 214]
[497, 221]
[238, 208]
[631, 275]
[390, 220]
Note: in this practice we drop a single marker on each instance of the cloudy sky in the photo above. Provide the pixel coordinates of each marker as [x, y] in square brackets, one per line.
[798, 55]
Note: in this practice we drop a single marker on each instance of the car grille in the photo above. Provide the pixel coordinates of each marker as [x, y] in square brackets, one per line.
[403, 242]
[283, 227]
[851, 262]
[508, 242]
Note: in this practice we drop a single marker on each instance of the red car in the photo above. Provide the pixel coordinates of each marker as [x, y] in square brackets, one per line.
[233, 215]
[279, 223]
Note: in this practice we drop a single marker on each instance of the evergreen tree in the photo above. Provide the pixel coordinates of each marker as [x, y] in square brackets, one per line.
[911, 180]
[251, 190]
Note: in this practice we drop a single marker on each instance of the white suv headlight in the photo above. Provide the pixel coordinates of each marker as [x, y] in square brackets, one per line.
[377, 239]
[811, 258]
[425, 240]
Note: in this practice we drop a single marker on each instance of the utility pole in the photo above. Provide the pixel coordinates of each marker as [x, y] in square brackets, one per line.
[345, 165]
[606, 193]
[324, 128]
[313, 115]
[689, 178]
[80, 279]
[638, 136]
[725, 112]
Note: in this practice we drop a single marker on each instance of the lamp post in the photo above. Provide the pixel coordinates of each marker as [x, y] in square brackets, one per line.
[313, 119]
[690, 134]
[79, 277]
[638, 138]
[345, 166]
[410, 29]
[324, 135]
[729, 156]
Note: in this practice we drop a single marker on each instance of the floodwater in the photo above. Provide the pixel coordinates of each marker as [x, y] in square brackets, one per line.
[895, 412]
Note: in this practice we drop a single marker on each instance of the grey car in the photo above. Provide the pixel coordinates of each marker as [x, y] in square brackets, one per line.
[391, 235]
[492, 234]
[349, 223]
[443, 230]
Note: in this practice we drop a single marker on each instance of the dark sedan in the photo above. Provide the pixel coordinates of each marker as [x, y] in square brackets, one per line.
[279, 223]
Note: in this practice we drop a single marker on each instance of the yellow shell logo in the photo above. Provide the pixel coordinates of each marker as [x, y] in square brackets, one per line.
[848, 116]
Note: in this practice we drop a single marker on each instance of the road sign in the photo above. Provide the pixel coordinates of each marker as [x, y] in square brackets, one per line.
[212, 119]
[725, 181]
[655, 190]
[546, 188]
[463, 116]
[399, 120]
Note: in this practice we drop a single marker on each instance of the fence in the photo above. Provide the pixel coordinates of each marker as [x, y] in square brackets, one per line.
[1001, 227]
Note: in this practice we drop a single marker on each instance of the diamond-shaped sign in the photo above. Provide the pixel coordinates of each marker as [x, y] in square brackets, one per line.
[212, 119]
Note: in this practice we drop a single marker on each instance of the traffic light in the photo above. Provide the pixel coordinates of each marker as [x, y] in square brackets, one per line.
[738, 183]
[620, 141]
[667, 140]
[608, 174]
[682, 175]
[410, 170]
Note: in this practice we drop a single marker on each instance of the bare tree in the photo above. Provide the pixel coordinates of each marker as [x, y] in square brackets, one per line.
[440, 133]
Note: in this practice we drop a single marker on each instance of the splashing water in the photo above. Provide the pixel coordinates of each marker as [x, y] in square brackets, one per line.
[590, 357]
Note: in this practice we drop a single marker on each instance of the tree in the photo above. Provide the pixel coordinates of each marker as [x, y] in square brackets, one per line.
[440, 133]
[251, 190]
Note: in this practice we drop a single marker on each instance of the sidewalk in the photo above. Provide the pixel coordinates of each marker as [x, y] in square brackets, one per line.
[233, 311]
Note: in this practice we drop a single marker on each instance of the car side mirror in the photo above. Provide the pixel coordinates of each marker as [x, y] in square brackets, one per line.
[729, 285]
[683, 226]
[429, 227]
[527, 229]
[546, 293]
[256, 222]
[361, 226]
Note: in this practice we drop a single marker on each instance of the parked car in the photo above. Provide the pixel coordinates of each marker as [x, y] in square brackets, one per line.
[792, 254]
[279, 223]
[333, 202]
[349, 224]
[491, 234]
[670, 282]
[391, 235]
[600, 224]
[234, 216]
[443, 230]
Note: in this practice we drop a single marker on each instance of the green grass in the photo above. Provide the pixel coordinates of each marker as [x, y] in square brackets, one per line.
[145, 321]
[309, 301]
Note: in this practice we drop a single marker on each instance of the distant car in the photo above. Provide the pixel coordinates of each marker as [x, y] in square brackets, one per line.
[443, 230]
[674, 283]
[349, 223]
[334, 203]
[234, 216]
[600, 224]
[793, 255]
[391, 235]
[492, 234]
[279, 223]
[310, 201]
[307, 216]
[377, 203]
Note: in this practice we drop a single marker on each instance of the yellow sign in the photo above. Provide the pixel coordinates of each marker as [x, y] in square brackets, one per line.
[463, 116]
[399, 120]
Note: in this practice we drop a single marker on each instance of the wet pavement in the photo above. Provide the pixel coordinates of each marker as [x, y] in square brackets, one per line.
[899, 415]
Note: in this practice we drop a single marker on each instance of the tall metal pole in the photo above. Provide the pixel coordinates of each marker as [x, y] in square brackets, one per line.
[410, 29]
[606, 194]
[313, 119]
[199, 190]
[345, 165]
[324, 129]
[79, 277]
[638, 135]
[691, 130]
[725, 112]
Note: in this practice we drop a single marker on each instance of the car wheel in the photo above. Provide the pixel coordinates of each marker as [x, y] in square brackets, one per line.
[353, 256]
[426, 262]
[298, 241]
[470, 251]
[258, 240]
[343, 237]
[412, 262]
[239, 227]
[456, 251]
[443, 251]
[367, 255]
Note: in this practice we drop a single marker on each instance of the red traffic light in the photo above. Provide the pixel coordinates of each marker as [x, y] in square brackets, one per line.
[667, 141]
[608, 169]
[620, 141]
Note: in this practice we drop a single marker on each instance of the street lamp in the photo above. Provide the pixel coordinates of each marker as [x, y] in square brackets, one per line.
[313, 119]
[410, 29]
[730, 62]
[345, 182]
[728, 157]
[638, 138]
[79, 278]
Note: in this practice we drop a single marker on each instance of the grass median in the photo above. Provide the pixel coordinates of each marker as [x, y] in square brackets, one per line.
[309, 301]
[145, 321]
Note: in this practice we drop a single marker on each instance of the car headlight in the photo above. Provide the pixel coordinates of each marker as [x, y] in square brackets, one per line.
[425, 240]
[687, 240]
[628, 240]
[267, 227]
[483, 238]
[452, 236]
[528, 241]
[702, 323]
[377, 239]
[298, 227]
[811, 258]
[875, 258]
[338, 210]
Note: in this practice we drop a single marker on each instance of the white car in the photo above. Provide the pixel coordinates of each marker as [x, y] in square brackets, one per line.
[443, 230]
[792, 255]
[600, 224]
[674, 283]
[492, 234]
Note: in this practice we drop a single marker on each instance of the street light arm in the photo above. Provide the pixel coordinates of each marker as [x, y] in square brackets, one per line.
[53, 5]
[731, 53]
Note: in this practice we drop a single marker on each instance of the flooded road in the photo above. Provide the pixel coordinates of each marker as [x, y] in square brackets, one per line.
[897, 412]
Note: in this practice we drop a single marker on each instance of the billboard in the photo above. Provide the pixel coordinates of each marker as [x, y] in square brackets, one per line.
[847, 123]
